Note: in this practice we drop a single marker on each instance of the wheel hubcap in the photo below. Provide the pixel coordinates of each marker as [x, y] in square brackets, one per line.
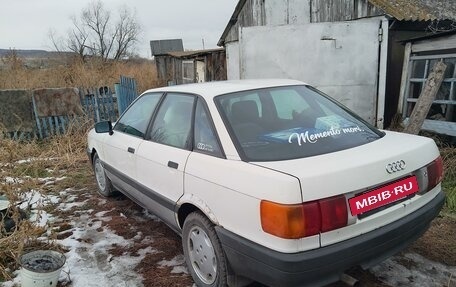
[202, 255]
[100, 175]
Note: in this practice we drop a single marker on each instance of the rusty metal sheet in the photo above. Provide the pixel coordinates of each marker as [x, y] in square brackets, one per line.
[16, 111]
[57, 102]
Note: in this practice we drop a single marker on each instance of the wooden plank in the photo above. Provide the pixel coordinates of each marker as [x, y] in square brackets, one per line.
[431, 57]
[96, 108]
[44, 127]
[426, 98]
[117, 88]
[63, 124]
[448, 42]
[383, 62]
[404, 79]
[56, 125]
[38, 124]
[112, 113]
[51, 126]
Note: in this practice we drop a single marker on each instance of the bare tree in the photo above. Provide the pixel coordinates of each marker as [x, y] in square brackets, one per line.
[77, 39]
[96, 33]
[127, 33]
[12, 60]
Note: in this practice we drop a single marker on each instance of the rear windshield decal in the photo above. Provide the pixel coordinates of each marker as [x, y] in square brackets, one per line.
[315, 135]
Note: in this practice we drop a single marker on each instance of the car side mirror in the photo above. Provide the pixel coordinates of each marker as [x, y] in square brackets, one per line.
[104, 127]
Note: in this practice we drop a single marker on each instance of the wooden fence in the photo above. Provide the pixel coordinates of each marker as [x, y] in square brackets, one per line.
[127, 91]
[98, 104]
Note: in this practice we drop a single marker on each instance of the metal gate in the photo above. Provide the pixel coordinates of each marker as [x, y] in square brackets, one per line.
[341, 59]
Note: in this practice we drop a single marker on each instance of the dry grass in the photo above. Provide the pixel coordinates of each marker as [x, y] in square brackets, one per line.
[78, 74]
[42, 158]
[61, 155]
[449, 182]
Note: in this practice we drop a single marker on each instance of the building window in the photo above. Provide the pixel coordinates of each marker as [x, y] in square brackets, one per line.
[441, 117]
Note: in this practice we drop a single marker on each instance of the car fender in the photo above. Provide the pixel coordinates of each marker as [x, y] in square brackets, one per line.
[198, 203]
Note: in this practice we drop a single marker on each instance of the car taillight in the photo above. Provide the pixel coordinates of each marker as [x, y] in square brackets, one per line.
[333, 213]
[292, 221]
[435, 173]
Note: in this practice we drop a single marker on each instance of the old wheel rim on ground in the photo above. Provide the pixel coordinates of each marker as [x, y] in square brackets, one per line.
[202, 255]
[100, 175]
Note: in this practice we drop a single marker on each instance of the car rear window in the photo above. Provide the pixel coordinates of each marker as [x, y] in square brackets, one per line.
[290, 122]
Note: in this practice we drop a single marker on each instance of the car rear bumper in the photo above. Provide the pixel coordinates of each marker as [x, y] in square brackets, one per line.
[325, 265]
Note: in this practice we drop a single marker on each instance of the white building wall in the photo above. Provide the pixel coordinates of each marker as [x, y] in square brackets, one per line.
[232, 61]
[339, 58]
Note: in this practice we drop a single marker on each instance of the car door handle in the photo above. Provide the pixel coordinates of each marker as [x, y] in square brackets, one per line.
[173, 164]
[131, 150]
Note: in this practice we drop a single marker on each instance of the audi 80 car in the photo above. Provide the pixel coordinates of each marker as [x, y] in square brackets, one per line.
[269, 180]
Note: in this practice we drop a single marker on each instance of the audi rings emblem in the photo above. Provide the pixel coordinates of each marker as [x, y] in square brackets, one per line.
[395, 166]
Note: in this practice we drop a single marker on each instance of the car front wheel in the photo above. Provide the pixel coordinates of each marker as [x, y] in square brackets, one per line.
[103, 183]
[203, 252]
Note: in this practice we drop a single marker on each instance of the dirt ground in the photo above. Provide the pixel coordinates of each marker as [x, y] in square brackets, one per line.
[128, 220]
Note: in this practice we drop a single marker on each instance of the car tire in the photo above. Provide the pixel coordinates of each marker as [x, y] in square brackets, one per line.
[103, 182]
[203, 252]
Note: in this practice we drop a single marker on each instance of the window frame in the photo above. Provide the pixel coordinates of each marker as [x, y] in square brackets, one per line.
[408, 99]
[221, 153]
[162, 94]
[147, 137]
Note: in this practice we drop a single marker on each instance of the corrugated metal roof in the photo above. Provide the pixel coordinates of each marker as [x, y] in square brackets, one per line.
[193, 53]
[407, 10]
[418, 10]
[160, 47]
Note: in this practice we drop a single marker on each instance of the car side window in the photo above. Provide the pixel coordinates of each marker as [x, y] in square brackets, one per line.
[173, 122]
[136, 119]
[205, 140]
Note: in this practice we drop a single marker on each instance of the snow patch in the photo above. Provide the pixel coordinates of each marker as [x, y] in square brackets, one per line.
[102, 213]
[50, 180]
[13, 180]
[31, 159]
[178, 264]
[89, 260]
[35, 199]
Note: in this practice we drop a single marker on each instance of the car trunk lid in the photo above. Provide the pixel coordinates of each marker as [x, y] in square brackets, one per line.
[362, 169]
[359, 168]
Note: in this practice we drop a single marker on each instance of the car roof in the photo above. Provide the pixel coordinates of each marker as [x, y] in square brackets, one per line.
[211, 89]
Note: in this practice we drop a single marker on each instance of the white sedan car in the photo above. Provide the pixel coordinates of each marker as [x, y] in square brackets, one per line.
[269, 180]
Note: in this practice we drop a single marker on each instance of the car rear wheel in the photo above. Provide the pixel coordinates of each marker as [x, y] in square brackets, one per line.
[203, 252]
[103, 183]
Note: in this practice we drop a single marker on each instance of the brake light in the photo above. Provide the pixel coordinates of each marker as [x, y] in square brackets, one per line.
[435, 173]
[334, 213]
[292, 221]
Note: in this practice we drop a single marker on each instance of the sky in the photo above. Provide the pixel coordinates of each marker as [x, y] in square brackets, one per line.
[25, 24]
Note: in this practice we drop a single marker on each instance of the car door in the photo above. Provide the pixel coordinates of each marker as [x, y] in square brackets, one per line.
[120, 147]
[162, 157]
